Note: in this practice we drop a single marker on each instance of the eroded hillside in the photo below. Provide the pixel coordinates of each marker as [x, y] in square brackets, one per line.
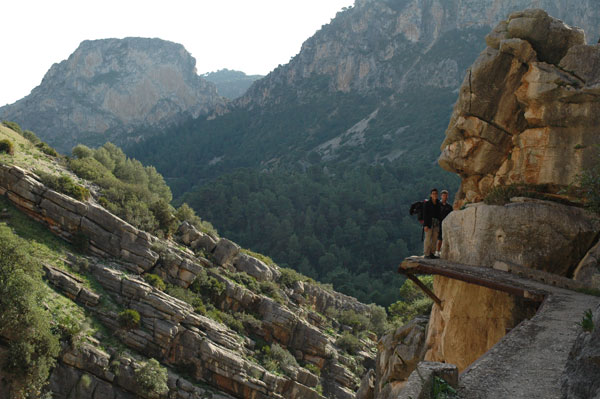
[217, 316]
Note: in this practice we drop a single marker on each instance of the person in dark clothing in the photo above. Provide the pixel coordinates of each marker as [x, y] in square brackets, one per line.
[431, 224]
[445, 209]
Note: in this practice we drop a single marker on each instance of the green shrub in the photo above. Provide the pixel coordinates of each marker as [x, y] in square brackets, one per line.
[349, 343]
[587, 323]
[250, 322]
[233, 322]
[33, 347]
[277, 359]
[152, 378]
[186, 214]
[132, 191]
[81, 151]
[13, 125]
[414, 302]
[207, 286]
[85, 381]
[313, 369]
[31, 136]
[440, 389]
[358, 321]
[187, 296]
[164, 215]
[7, 147]
[378, 320]
[46, 149]
[129, 319]
[271, 289]
[263, 258]
[64, 184]
[155, 281]
[246, 280]
[289, 277]
[88, 168]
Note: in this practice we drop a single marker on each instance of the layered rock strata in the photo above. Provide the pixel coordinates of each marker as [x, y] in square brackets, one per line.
[170, 330]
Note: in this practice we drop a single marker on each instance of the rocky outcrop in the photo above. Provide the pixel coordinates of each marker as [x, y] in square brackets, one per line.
[88, 372]
[526, 114]
[108, 235]
[107, 88]
[527, 110]
[362, 48]
[536, 234]
[580, 378]
[398, 355]
[421, 381]
[170, 330]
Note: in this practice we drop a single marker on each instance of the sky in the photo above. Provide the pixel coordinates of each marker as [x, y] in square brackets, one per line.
[253, 36]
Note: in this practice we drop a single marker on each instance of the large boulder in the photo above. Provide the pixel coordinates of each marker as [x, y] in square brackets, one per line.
[538, 234]
[528, 109]
[254, 267]
[588, 270]
[399, 353]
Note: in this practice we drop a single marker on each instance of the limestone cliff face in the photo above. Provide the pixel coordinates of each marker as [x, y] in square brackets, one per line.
[528, 109]
[400, 45]
[527, 113]
[110, 87]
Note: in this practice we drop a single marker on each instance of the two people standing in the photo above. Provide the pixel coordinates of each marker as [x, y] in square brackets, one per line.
[434, 211]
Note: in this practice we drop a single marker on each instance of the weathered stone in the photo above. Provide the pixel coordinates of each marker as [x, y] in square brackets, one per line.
[519, 120]
[588, 270]
[367, 386]
[550, 37]
[254, 267]
[587, 71]
[225, 251]
[205, 242]
[580, 378]
[473, 319]
[398, 353]
[538, 234]
[307, 378]
[420, 382]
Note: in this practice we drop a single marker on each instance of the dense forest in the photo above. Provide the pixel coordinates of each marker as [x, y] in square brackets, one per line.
[345, 226]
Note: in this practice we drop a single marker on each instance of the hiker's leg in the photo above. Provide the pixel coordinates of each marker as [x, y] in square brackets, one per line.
[434, 240]
[427, 247]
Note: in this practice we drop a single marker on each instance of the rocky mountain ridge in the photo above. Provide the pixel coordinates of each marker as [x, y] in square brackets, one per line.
[400, 45]
[108, 88]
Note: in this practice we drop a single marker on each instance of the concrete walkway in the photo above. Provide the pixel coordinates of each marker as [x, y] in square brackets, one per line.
[529, 361]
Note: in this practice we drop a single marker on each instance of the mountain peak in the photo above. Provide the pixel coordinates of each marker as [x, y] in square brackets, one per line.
[108, 87]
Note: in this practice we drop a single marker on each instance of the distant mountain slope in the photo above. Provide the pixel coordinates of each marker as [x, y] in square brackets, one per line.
[339, 142]
[231, 84]
[108, 88]
[376, 83]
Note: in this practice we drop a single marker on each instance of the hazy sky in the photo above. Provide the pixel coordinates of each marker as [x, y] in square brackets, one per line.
[253, 36]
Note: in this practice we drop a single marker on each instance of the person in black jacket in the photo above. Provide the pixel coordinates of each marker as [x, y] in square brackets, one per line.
[431, 224]
[445, 209]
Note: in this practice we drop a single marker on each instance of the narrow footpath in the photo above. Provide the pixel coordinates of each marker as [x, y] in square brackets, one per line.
[527, 362]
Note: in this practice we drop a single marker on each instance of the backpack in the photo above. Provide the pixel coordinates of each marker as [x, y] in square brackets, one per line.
[417, 209]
